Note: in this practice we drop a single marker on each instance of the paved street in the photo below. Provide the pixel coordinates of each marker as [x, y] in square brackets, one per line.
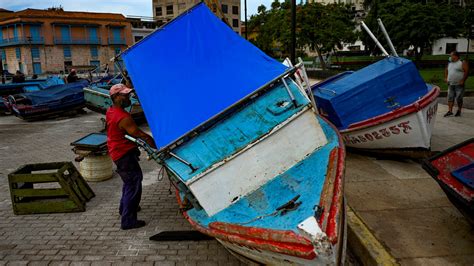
[91, 237]
[399, 202]
[406, 209]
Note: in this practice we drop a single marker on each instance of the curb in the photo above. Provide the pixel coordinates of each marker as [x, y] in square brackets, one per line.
[364, 245]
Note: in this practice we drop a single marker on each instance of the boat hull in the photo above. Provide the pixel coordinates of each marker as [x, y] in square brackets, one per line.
[281, 247]
[409, 127]
[255, 255]
[453, 169]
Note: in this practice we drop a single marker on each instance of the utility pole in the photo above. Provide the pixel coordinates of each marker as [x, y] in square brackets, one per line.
[245, 14]
[293, 32]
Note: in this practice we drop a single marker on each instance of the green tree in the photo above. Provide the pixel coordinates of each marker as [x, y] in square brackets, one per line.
[414, 23]
[321, 27]
[324, 27]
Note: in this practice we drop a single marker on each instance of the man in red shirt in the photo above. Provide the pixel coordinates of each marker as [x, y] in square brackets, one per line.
[125, 154]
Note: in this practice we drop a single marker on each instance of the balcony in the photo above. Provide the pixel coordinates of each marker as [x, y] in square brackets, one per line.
[116, 41]
[21, 41]
[77, 41]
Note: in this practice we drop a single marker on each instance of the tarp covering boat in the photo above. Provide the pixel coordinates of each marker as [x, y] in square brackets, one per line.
[379, 88]
[192, 69]
[55, 93]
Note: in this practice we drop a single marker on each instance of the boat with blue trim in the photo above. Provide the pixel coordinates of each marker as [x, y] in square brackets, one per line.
[27, 86]
[52, 101]
[252, 162]
[385, 105]
[98, 99]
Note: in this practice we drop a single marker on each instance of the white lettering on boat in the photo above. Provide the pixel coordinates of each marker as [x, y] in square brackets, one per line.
[387, 132]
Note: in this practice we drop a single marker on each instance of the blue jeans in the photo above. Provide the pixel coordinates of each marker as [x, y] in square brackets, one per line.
[129, 170]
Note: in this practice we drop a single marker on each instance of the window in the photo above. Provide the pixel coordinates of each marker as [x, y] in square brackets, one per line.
[94, 51]
[93, 34]
[451, 47]
[138, 38]
[35, 32]
[18, 53]
[235, 23]
[235, 10]
[116, 35]
[95, 63]
[67, 52]
[65, 34]
[37, 68]
[224, 9]
[169, 10]
[35, 53]
[3, 54]
[20, 66]
[158, 11]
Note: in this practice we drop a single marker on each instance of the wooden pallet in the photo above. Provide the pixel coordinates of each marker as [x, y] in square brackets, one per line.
[32, 192]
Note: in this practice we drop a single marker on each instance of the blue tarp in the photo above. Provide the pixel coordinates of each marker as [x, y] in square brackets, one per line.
[192, 69]
[374, 90]
[56, 93]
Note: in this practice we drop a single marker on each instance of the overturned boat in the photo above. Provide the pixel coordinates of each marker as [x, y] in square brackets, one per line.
[253, 164]
[385, 105]
[46, 103]
[453, 169]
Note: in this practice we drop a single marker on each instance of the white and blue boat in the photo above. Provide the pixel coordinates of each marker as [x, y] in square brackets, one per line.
[253, 164]
[384, 106]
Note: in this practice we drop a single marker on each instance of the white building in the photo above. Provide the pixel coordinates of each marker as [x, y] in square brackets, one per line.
[447, 45]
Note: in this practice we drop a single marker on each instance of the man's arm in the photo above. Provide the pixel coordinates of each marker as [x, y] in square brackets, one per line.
[465, 68]
[132, 129]
[446, 74]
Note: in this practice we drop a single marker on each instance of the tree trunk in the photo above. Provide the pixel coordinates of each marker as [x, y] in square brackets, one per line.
[323, 63]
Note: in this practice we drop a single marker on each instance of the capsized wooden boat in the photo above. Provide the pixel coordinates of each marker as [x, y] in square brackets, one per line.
[385, 105]
[453, 169]
[253, 164]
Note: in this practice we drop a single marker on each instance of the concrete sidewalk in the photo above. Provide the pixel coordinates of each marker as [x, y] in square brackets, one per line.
[405, 208]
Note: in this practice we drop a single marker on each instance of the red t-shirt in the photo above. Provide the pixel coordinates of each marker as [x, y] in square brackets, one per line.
[116, 142]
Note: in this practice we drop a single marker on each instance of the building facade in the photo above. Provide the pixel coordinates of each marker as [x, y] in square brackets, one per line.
[142, 26]
[50, 41]
[227, 10]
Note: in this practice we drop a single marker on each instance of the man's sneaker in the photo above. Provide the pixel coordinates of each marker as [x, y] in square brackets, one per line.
[448, 114]
[138, 224]
[458, 113]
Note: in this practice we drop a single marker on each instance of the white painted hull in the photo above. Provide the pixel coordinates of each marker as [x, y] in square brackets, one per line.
[410, 131]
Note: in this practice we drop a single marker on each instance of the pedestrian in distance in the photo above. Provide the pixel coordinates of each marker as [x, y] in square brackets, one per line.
[125, 154]
[455, 76]
[19, 77]
[72, 77]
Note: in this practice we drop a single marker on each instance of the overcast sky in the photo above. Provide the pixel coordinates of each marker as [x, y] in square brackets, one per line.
[126, 7]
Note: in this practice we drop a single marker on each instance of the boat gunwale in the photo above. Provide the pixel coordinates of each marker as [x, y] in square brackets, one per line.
[414, 107]
[454, 184]
[291, 249]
